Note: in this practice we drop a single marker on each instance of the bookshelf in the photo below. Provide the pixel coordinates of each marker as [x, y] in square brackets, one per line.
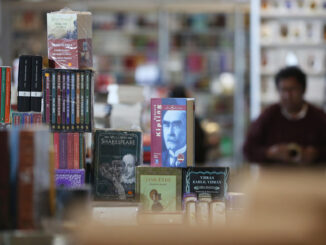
[287, 33]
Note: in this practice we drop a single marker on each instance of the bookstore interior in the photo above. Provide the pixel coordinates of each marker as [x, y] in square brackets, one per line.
[162, 122]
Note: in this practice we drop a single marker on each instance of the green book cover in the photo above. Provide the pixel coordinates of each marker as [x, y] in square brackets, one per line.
[3, 94]
[159, 189]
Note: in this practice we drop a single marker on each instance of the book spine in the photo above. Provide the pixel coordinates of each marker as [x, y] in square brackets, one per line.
[76, 150]
[25, 195]
[73, 100]
[190, 133]
[54, 100]
[37, 118]
[59, 102]
[156, 133]
[3, 95]
[5, 221]
[56, 145]
[70, 150]
[87, 100]
[24, 83]
[15, 119]
[27, 119]
[63, 98]
[81, 151]
[77, 100]
[46, 97]
[8, 95]
[36, 83]
[82, 100]
[68, 102]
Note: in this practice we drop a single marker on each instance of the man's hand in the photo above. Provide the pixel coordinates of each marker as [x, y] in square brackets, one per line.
[309, 155]
[280, 153]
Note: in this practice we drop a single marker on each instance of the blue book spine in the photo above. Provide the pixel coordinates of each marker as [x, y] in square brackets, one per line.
[73, 98]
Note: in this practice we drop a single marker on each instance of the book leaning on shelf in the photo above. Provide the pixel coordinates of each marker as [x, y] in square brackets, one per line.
[172, 132]
[116, 155]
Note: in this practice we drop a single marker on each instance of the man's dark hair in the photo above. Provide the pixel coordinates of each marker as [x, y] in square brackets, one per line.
[292, 71]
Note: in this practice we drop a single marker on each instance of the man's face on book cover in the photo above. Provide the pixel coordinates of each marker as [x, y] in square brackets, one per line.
[174, 129]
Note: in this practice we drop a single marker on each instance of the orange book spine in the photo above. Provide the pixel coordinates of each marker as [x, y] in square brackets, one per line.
[8, 95]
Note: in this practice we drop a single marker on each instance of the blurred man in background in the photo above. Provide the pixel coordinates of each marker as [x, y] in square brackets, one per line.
[290, 132]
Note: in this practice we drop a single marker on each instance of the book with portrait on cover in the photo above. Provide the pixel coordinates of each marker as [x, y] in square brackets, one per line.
[172, 132]
[116, 153]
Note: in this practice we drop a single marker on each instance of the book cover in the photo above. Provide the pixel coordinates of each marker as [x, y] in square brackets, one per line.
[172, 132]
[36, 83]
[116, 154]
[54, 100]
[70, 178]
[3, 94]
[27, 119]
[82, 101]
[63, 98]
[8, 95]
[77, 100]
[24, 83]
[159, 189]
[213, 180]
[16, 118]
[73, 100]
[76, 150]
[68, 101]
[59, 102]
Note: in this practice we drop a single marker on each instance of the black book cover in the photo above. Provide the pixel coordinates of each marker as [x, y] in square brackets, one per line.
[24, 83]
[116, 153]
[213, 180]
[36, 84]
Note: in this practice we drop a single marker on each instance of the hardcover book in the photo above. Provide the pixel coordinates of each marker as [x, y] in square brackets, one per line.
[70, 178]
[116, 153]
[24, 83]
[159, 189]
[36, 83]
[213, 180]
[172, 132]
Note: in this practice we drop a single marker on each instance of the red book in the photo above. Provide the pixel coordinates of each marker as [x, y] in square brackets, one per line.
[70, 146]
[56, 146]
[8, 94]
[76, 150]
[25, 197]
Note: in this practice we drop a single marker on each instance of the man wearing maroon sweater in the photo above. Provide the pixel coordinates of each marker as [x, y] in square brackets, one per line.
[291, 131]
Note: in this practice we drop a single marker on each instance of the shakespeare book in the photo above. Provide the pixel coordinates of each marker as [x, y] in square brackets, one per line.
[213, 180]
[116, 153]
[24, 83]
[159, 189]
[36, 84]
[172, 132]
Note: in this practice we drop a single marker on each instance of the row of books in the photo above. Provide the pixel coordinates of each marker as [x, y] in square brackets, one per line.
[68, 99]
[29, 83]
[26, 118]
[26, 178]
[5, 93]
[69, 150]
